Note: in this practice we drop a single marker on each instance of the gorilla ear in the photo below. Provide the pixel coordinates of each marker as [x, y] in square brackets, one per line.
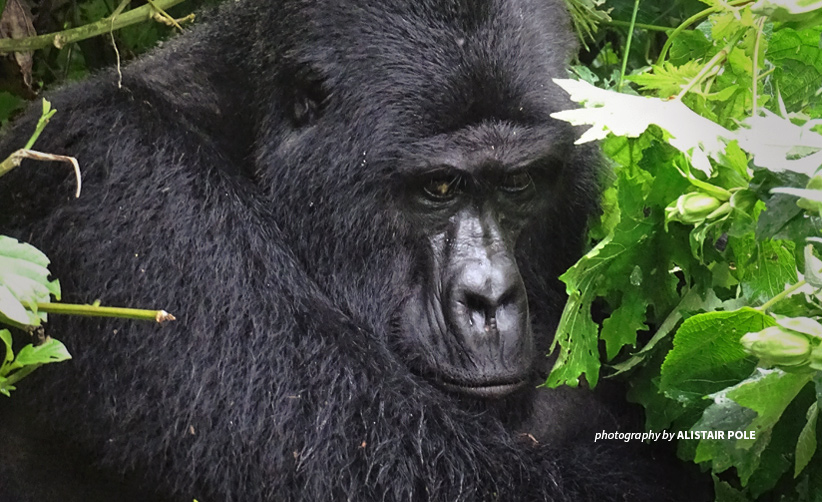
[308, 98]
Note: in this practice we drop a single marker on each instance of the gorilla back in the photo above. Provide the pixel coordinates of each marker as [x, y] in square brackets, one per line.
[357, 210]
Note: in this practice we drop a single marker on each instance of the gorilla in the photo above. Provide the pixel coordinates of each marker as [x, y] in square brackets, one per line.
[357, 210]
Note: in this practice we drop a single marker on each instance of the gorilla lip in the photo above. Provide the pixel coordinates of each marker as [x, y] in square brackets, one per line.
[486, 390]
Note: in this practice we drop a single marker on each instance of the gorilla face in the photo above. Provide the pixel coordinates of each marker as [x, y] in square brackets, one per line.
[452, 155]
[468, 313]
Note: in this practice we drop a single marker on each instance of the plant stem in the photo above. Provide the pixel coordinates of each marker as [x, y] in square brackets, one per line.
[21, 374]
[719, 56]
[159, 316]
[781, 296]
[754, 86]
[628, 45]
[642, 26]
[61, 38]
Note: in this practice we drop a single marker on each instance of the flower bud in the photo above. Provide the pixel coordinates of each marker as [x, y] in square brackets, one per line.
[692, 208]
[775, 345]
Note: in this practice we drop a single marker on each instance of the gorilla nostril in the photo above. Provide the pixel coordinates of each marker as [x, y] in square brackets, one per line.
[511, 295]
[482, 310]
[476, 302]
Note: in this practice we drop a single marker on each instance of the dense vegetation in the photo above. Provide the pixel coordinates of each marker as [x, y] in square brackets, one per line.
[707, 255]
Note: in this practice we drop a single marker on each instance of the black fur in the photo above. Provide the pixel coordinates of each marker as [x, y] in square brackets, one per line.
[248, 177]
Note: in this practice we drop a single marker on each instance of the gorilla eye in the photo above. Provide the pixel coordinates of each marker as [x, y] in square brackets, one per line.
[516, 182]
[442, 186]
[308, 102]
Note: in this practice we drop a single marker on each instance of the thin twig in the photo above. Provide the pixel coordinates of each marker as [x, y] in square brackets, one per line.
[101, 27]
[754, 86]
[17, 157]
[159, 316]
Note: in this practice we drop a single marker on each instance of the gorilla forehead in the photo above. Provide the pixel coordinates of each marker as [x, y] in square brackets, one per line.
[432, 65]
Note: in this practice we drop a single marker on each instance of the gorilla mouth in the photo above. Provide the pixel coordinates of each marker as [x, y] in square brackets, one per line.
[491, 389]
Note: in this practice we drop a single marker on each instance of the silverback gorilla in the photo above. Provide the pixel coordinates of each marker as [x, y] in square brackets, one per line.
[344, 202]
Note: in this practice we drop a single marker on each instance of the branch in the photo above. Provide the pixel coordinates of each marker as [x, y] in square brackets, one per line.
[17, 157]
[105, 25]
[159, 316]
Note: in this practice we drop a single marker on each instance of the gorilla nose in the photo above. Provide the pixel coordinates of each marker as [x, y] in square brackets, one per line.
[489, 302]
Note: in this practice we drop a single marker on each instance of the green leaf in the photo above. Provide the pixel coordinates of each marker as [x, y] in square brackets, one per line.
[692, 301]
[621, 327]
[806, 445]
[798, 62]
[667, 80]
[707, 356]
[764, 268]
[577, 339]
[753, 405]
[689, 46]
[52, 351]
[24, 281]
[626, 252]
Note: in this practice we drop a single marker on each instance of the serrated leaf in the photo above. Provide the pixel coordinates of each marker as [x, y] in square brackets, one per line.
[12, 248]
[707, 356]
[577, 334]
[692, 301]
[667, 80]
[806, 445]
[689, 46]
[621, 327]
[798, 62]
[765, 268]
[753, 405]
[577, 338]
[24, 281]
[52, 351]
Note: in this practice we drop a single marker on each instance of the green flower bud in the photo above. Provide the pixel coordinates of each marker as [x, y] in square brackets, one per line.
[775, 345]
[722, 210]
[692, 208]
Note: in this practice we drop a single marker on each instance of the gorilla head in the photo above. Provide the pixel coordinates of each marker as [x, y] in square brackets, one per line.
[435, 116]
[357, 210]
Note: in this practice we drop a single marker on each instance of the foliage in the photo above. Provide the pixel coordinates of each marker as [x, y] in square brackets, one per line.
[24, 74]
[24, 284]
[707, 253]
